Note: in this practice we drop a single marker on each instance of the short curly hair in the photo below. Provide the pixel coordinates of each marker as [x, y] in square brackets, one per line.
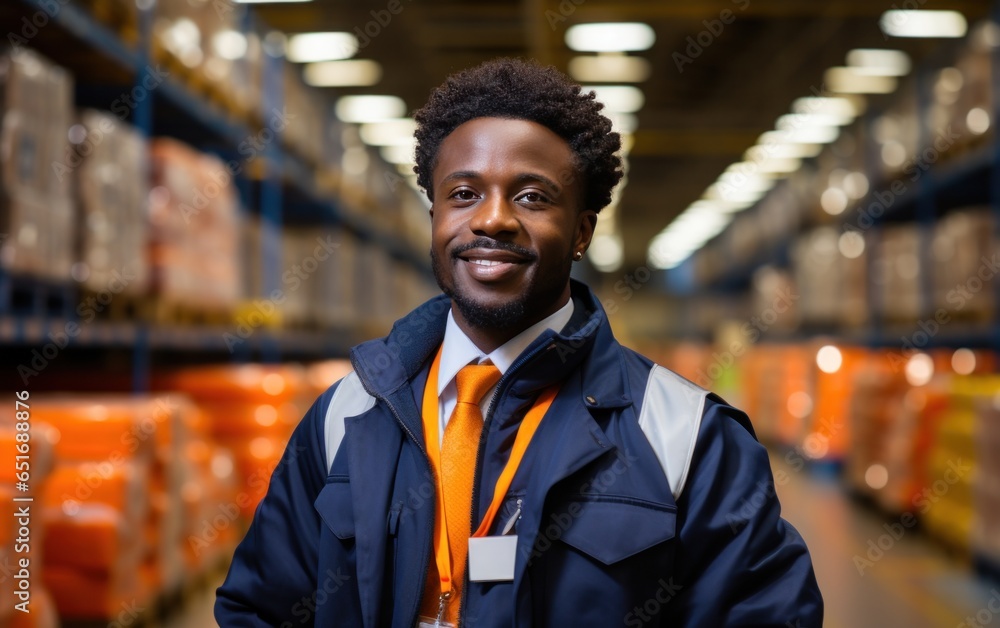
[517, 89]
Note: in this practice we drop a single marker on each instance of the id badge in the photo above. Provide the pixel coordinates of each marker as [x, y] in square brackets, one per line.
[491, 558]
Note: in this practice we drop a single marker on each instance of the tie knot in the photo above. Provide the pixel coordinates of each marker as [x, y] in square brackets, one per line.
[474, 380]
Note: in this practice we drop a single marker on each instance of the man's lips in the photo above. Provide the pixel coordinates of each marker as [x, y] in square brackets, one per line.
[492, 256]
[491, 264]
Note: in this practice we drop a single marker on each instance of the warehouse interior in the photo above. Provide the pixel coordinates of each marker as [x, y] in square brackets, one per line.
[204, 204]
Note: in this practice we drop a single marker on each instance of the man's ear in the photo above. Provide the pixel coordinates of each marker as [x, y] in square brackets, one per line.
[586, 223]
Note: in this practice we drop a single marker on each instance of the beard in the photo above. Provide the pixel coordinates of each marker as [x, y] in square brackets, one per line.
[516, 314]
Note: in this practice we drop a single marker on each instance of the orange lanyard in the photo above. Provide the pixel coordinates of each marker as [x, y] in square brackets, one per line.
[525, 432]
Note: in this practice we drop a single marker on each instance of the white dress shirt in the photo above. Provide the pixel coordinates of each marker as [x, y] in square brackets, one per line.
[458, 351]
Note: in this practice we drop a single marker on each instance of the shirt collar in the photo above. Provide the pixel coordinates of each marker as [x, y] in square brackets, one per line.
[458, 350]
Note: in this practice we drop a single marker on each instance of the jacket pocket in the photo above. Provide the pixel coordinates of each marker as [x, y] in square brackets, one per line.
[335, 506]
[610, 528]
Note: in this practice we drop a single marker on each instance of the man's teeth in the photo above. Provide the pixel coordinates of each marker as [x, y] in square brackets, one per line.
[486, 262]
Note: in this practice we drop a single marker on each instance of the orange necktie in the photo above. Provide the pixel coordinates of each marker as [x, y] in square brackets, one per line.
[458, 466]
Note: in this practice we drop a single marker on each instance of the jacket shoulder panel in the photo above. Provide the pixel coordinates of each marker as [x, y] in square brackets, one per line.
[350, 399]
[670, 417]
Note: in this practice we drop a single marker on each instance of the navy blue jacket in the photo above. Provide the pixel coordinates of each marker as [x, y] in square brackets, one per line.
[647, 501]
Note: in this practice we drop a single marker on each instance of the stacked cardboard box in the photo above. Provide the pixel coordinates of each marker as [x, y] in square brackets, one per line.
[206, 42]
[975, 65]
[113, 189]
[898, 272]
[36, 206]
[195, 233]
[962, 248]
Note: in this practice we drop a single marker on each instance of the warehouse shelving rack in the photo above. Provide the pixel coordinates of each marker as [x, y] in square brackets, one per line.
[967, 179]
[279, 188]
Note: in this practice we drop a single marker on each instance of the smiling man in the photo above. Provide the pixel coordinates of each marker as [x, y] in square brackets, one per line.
[499, 459]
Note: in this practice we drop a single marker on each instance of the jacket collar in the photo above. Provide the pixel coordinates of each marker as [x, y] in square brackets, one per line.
[386, 364]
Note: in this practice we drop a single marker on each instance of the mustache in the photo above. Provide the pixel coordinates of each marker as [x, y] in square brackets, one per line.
[499, 245]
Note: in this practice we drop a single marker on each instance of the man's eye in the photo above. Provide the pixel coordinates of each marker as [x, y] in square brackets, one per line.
[534, 197]
[464, 195]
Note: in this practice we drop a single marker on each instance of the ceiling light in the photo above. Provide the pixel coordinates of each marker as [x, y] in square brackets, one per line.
[606, 68]
[844, 106]
[369, 108]
[923, 23]
[398, 132]
[792, 121]
[875, 62]
[775, 165]
[845, 80]
[402, 154]
[818, 135]
[618, 98]
[229, 44]
[610, 37]
[309, 47]
[350, 73]
[749, 181]
[733, 194]
[624, 123]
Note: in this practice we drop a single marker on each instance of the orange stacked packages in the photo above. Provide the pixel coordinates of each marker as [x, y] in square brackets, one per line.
[252, 410]
[24, 602]
[112, 509]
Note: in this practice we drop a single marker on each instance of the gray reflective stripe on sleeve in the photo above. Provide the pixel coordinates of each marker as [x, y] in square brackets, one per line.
[672, 408]
[350, 399]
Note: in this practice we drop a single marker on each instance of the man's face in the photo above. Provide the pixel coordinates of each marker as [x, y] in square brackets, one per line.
[506, 221]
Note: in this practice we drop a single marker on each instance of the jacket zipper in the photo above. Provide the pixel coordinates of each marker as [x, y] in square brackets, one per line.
[501, 385]
[426, 559]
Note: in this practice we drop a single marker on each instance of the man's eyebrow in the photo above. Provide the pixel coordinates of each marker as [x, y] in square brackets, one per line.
[532, 176]
[461, 174]
[524, 177]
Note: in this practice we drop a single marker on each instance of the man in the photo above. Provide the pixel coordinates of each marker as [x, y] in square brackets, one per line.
[599, 488]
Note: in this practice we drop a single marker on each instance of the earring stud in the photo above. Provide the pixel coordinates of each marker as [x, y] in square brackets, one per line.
[578, 255]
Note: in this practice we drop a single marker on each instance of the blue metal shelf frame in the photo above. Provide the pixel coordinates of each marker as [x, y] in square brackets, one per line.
[284, 174]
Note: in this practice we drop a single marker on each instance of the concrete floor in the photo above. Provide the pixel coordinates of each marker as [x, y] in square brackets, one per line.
[914, 585]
